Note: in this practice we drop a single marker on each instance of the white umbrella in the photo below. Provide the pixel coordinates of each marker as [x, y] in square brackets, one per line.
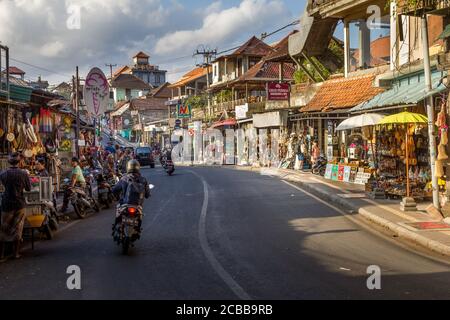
[364, 120]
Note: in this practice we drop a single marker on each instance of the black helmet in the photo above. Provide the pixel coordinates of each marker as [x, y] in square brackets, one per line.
[133, 166]
[14, 159]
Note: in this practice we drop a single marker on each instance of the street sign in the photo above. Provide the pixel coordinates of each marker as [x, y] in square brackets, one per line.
[96, 92]
[184, 111]
[178, 123]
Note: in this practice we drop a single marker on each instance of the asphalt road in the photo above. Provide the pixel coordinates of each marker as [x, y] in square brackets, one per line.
[218, 233]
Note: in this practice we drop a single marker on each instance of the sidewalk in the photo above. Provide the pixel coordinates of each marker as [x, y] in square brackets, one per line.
[417, 227]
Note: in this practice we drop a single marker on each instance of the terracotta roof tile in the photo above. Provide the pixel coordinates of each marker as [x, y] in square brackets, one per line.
[128, 81]
[15, 70]
[281, 50]
[190, 76]
[268, 70]
[141, 54]
[253, 47]
[343, 93]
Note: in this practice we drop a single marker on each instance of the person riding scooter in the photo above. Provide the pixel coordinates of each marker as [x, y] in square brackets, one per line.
[77, 180]
[133, 188]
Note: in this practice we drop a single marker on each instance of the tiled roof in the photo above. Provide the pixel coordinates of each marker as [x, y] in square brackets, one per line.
[15, 70]
[265, 70]
[141, 54]
[128, 81]
[121, 70]
[190, 76]
[149, 104]
[162, 91]
[253, 47]
[281, 50]
[343, 93]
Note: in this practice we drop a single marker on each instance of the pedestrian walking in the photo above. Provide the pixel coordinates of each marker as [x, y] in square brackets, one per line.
[15, 181]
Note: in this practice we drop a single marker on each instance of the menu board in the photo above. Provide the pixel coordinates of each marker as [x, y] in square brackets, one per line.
[362, 178]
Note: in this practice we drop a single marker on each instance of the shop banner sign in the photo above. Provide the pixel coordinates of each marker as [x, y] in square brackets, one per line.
[335, 173]
[278, 91]
[341, 171]
[184, 111]
[96, 92]
[328, 172]
[353, 173]
[347, 173]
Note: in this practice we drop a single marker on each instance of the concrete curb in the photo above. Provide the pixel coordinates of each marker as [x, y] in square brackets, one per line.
[397, 230]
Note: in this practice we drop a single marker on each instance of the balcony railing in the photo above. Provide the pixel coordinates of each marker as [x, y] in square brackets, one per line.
[417, 7]
[230, 105]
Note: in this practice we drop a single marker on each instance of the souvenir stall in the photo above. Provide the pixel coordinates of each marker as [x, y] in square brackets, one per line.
[402, 157]
[356, 160]
[303, 134]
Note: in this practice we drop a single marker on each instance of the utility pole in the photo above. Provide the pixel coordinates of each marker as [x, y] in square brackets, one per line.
[207, 59]
[111, 68]
[7, 90]
[76, 83]
[430, 111]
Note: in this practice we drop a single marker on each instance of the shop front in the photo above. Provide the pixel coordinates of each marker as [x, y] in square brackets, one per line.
[402, 141]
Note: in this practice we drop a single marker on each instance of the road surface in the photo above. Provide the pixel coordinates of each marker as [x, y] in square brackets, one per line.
[219, 233]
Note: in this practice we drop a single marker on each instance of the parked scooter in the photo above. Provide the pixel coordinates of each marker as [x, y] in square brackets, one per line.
[104, 190]
[320, 167]
[81, 200]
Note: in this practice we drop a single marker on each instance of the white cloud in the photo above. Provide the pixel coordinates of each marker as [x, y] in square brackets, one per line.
[113, 30]
[221, 26]
[52, 49]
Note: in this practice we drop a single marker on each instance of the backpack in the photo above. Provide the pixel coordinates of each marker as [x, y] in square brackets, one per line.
[135, 193]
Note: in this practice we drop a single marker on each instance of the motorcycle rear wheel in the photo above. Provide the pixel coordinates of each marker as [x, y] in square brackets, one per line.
[125, 246]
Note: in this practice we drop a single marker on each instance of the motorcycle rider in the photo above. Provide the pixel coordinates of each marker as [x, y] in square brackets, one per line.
[166, 155]
[77, 180]
[139, 187]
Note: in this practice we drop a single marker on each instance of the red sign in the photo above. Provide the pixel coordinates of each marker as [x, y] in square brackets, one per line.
[278, 91]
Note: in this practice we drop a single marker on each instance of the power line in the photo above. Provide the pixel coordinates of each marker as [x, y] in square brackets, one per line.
[37, 67]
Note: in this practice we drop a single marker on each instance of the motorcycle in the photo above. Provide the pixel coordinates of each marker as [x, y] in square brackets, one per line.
[104, 187]
[80, 200]
[169, 167]
[128, 227]
[320, 167]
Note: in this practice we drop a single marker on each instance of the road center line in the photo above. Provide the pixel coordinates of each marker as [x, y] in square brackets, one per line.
[223, 274]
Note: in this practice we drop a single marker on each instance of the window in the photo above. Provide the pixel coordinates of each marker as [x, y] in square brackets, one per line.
[111, 94]
[158, 78]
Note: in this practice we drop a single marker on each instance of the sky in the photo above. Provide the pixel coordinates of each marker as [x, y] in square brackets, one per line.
[49, 38]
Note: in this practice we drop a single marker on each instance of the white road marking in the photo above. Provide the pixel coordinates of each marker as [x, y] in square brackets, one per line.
[223, 274]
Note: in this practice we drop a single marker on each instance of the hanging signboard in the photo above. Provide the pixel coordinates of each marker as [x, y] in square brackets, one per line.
[278, 91]
[184, 111]
[96, 92]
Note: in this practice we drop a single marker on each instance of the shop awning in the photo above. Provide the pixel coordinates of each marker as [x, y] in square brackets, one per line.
[270, 119]
[405, 91]
[121, 110]
[228, 122]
